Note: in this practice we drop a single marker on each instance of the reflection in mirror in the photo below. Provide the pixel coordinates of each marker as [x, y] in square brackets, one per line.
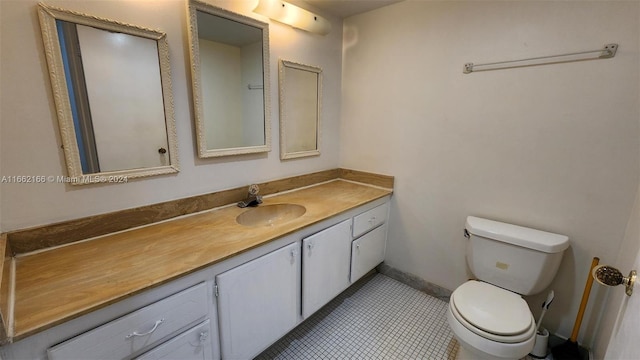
[300, 102]
[112, 91]
[229, 63]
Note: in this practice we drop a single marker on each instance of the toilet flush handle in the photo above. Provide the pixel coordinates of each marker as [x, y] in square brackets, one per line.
[466, 234]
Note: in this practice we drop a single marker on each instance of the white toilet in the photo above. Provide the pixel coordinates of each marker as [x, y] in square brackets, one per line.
[488, 316]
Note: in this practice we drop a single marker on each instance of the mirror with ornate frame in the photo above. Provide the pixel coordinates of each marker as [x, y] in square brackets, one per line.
[111, 86]
[300, 103]
[230, 81]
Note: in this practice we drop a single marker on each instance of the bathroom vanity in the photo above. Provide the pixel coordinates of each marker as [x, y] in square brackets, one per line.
[201, 286]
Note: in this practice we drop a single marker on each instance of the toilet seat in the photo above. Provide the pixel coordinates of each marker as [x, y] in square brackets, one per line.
[493, 313]
[484, 348]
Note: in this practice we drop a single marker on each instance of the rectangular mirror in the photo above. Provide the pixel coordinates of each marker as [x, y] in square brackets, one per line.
[230, 81]
[112, 91]
[300, 103]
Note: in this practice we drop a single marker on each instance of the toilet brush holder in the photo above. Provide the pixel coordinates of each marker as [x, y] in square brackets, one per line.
[540, 349]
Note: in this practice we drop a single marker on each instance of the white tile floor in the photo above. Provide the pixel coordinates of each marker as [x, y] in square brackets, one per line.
[377, 319]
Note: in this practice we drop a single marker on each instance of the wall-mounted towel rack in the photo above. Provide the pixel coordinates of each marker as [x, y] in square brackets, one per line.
[255, 87]
[607, 52]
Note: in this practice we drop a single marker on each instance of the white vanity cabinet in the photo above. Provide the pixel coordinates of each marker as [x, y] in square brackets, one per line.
[367, 251]
[325, 266]
[234, 309]
[258, 302]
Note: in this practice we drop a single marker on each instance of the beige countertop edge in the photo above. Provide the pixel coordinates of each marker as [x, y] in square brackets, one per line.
[21, 333]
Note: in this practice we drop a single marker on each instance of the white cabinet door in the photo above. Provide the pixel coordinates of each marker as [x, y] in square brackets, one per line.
[325, 266]
[367, 252]
[258, 302]
[193, 344]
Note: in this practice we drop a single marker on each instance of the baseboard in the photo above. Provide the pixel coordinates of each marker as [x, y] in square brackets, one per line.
[415, 282]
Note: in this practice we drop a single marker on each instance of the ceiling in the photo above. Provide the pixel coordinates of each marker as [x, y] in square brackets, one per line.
[346, 8]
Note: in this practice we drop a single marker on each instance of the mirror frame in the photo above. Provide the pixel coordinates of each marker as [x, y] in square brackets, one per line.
[284, 116]
[194, 53]
[48, 16]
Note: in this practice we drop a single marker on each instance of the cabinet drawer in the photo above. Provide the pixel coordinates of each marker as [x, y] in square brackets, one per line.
[370, 219]
[129, 334]
[367, 252]
[193, 344]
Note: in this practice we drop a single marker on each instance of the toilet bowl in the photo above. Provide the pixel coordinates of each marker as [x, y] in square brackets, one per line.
[490, 322]
[488, 316]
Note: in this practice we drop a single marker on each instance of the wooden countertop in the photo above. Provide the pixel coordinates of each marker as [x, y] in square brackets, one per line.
[57, 285]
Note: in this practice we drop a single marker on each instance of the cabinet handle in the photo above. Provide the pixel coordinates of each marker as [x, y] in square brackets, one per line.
[292, 256]
[155, 326]
[358, 246]
[310, 246]
[203, 336]
[372, 220]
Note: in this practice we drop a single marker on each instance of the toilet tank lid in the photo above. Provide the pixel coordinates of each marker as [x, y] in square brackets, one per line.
[517, 235]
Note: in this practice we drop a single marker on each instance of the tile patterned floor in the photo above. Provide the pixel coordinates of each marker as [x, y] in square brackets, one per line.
[379, 318]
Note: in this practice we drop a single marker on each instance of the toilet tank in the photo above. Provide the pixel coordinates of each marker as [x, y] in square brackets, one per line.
[515, 258]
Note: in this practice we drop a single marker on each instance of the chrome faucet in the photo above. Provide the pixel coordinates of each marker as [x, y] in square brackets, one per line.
[253, 199]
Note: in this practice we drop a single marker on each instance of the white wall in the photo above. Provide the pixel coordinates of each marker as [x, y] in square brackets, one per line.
[552, 147]
[30, 143]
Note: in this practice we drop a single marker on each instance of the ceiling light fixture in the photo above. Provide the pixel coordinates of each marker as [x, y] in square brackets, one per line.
[292, 15]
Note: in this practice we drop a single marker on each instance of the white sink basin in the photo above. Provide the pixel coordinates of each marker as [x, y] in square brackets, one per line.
[270, 215]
